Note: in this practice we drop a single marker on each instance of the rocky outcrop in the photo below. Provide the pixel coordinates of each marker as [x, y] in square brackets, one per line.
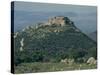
[68, 61]
[22, 44]
[91, 61]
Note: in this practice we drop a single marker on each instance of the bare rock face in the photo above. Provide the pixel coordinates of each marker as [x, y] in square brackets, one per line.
[22, 44]
[59, 20]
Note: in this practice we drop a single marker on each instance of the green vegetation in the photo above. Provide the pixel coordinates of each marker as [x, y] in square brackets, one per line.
[48, 45]
[49, 67]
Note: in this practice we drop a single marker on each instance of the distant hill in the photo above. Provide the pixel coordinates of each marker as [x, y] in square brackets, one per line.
[56, 39]
[93, 36]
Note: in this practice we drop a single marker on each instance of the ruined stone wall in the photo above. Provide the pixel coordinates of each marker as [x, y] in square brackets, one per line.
[57, 20]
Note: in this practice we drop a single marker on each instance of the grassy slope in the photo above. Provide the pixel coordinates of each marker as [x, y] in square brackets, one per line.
[49, 67]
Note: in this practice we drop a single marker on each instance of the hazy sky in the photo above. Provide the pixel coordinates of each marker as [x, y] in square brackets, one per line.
[84, 17]
[30, 6]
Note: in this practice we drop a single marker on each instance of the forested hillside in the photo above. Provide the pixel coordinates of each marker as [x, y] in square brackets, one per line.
[53, 41]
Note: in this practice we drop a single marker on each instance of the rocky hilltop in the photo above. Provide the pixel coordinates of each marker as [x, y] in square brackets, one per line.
[52, 41]
[58, 20]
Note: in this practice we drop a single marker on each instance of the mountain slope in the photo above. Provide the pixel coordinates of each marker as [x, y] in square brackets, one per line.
[52, 41]
[93, 36]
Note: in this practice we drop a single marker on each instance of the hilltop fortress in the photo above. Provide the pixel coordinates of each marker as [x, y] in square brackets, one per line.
[59, 21]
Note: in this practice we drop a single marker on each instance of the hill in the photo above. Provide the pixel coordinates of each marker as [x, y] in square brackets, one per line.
[93, 36]
[52, 41]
